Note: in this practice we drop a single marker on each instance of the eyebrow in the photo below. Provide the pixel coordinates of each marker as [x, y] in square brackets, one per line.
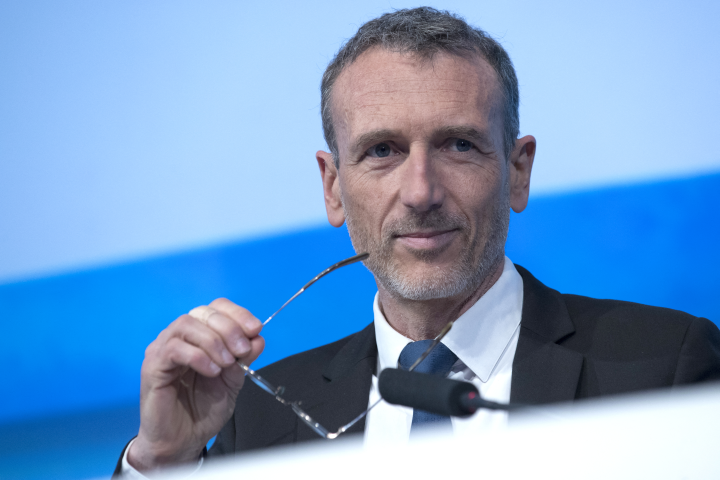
[479, 137]
[372, 137]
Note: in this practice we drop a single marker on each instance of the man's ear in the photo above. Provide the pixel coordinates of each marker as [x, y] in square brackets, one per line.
[331, 188]
[521, 163]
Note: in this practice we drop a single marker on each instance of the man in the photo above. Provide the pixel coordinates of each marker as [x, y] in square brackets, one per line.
[420, 113]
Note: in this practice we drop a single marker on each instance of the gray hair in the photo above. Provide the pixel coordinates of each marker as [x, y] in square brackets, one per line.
[425, 31]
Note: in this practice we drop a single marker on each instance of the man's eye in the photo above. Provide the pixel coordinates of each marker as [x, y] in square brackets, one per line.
[462, 145]
[380, 150]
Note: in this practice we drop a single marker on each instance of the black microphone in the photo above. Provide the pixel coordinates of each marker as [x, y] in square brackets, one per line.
[433, 393]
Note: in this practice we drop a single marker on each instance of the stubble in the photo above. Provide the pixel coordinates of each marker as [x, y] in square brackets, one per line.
[466, 273]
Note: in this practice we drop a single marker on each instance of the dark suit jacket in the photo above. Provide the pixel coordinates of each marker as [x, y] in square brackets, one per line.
[569, 348]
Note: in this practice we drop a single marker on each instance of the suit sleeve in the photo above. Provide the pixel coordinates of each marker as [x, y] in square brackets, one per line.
[225, 440]
[699, 359]
[118, 466]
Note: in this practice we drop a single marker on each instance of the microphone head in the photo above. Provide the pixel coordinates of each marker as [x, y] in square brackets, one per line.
[422, 391]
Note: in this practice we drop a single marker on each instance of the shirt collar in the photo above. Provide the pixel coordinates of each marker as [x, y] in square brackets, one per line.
[481, 334]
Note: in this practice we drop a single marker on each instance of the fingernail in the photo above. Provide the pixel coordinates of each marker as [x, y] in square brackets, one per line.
[243, 346]
[214, 367]
[227, 356]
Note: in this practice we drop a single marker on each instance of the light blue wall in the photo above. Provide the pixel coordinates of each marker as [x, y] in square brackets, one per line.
[134, 128]
[156, 155]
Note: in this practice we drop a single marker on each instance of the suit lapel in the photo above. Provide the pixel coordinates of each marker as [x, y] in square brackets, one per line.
[344, 393]
[543, 370]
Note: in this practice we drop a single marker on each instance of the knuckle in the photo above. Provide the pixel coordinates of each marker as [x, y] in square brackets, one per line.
[172, 345]
[216, 344]
[222, 325]
[198, 358]
[242, 311]
[165, 334]
[235, 332]
[220, 302]
[184, 321]
[151, 349]
[231, 334]
[144, 368]
[230, 307]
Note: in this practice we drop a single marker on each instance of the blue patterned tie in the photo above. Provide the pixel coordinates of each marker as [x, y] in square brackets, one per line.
[439, 362]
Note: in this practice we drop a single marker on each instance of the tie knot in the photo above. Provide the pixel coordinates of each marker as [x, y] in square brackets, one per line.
[439, 362]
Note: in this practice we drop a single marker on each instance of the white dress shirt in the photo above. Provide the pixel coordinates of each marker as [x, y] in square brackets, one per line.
[484, 339]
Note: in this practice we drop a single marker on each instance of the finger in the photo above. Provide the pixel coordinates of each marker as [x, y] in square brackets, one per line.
[190, 330]
[257, 345]
[202, 313]
[234, 375]
[250, 324]
[180, 353]
[199, 314]
[231, 332]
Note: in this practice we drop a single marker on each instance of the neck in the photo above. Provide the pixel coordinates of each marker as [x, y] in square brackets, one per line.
[421, 320]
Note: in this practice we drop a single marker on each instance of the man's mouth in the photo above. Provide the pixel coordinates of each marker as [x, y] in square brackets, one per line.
[427, 240]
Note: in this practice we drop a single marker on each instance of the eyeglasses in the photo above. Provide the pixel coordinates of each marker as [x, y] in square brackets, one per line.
[278, 392]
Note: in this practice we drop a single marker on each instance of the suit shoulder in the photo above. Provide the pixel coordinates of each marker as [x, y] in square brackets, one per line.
[615, 325]
[582, 307]
[629, 346]
[594, 319]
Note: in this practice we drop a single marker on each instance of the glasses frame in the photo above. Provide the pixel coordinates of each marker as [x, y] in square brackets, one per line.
[278, 392]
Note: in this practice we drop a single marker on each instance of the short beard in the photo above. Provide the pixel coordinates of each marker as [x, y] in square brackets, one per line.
[465, 275]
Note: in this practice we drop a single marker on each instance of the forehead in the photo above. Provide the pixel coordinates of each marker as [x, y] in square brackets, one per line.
[385, 89]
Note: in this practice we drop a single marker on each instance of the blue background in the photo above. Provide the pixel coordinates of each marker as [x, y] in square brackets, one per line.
[157, 155]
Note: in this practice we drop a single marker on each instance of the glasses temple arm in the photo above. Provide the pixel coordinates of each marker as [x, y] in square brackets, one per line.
[348, 261]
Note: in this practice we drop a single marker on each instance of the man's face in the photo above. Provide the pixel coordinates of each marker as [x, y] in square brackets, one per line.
[423, 182]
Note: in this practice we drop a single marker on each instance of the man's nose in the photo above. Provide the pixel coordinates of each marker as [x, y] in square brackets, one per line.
[421, 188]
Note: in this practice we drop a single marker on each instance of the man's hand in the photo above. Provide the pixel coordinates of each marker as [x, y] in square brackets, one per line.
[190, 381]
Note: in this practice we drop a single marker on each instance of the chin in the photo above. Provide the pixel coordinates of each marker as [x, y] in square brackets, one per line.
[431, 284]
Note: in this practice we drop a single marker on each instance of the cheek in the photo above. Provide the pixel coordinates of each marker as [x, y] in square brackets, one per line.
[476, 190]
[362, 198]
[375, 205]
